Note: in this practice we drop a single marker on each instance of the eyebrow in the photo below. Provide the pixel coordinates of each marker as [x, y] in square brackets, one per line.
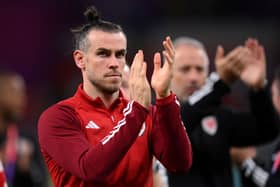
[122, 51]
[108, 50]
[103, 49]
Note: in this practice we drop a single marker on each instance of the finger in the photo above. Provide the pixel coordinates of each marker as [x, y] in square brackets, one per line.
[167, 57]
[168, 47]
[261, 54]
[248, 42]
[230, 59]
[143, 69]
[238, 60]
[242, 58]
[238, 65]
[254, 47]
[132, 68]
[219, 53]
[138, 63]
[140, 60]
[233, 54]
[256, 42]
[157, 62]
[244, 55]
[170, 43]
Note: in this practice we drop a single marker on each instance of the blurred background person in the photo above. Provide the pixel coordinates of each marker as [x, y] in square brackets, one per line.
[213, 127]
[16, 151]
[252, 169]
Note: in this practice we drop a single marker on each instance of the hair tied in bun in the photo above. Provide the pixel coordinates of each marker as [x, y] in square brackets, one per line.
[92, 15]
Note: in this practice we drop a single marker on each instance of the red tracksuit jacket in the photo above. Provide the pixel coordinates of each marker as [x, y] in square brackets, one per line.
[86, 144]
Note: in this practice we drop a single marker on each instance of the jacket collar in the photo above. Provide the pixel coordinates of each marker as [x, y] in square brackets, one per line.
[97, 102]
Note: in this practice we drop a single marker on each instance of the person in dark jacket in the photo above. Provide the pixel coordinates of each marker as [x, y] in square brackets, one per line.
[214, 128]
[252, 169]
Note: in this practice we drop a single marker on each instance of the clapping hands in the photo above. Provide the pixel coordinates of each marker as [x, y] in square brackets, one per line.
[139, 86]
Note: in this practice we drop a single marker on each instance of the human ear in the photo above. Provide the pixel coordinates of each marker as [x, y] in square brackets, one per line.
[79, 58]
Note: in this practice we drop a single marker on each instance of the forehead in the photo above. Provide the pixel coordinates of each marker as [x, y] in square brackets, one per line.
[191, 56]
[107, 40]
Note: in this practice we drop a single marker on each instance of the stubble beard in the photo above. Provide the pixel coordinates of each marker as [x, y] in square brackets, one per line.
[106, 89]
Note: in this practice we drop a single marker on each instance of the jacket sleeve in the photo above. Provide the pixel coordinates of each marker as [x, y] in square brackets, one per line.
[206, 99]
[61, 137]
[170, 142]
[257, 126]
[260, 176]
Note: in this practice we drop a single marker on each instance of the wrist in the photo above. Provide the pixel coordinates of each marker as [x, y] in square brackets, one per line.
[260, 86]
[227, 77]
[163, 95]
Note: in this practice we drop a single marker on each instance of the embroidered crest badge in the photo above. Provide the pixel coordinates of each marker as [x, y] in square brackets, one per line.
[210, 125]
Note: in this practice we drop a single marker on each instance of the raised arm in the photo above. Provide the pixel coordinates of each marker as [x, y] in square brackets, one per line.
[170, 142]
[260, 124]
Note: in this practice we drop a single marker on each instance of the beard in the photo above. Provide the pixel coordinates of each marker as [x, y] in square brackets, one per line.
[105, 87]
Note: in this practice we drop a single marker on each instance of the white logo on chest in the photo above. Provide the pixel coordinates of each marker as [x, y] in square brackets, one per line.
[92, 125]
[210, 125]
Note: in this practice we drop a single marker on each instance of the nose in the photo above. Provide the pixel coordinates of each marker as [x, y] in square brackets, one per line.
[193, 76]
[114, 63]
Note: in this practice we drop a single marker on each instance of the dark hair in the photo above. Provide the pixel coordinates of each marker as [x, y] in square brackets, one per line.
[93, 22]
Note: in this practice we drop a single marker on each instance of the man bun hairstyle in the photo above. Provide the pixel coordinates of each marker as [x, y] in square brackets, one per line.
[92, 15]
[93, 22]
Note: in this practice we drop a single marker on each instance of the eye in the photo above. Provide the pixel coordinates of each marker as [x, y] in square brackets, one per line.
[184, 69]
[120, 54]
[103, 53]
[200, 69]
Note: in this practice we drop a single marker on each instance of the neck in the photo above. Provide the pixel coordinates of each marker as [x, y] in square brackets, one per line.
[107, 98]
